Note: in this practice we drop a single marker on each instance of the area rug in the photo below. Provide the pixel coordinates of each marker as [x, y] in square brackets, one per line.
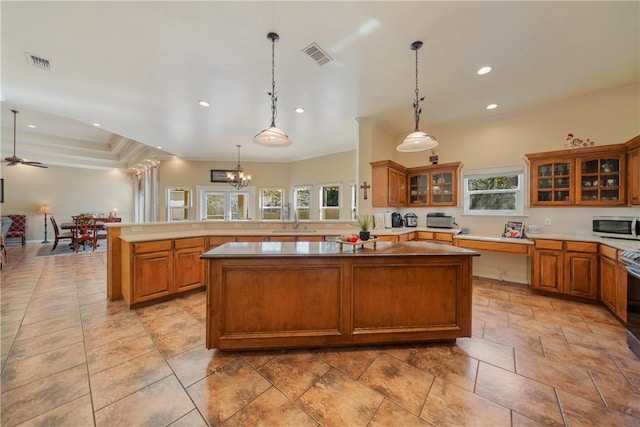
[64, 249]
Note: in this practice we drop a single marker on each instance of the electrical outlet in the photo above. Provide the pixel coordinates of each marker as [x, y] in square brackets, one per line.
[136, 228]
[503, 273]
[547, 221]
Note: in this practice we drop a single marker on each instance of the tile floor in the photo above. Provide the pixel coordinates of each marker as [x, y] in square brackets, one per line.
[71, 358]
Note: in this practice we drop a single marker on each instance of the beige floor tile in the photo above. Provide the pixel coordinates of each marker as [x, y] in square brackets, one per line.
[618, 394]
[583, 412]
[77, 413]
[271, 408]
[192, 419]
[293, 373]
[44, 343]
[450, 405]
[118, 351]
[398, 381]
[161, 403]
[444, 362]
[351, 360]
[392, 414]
[486, 351]
[182, 339]
[195, 364]
[339, 400]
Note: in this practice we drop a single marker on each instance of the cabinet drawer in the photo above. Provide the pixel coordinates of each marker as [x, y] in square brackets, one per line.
[193, 242]
[608, 251]
[157, 246]
[444, 237]
[406, 237]
[588, 247]
[250, 239]
[388, 239]
[215, 241]
[555, 245]
[425, 235]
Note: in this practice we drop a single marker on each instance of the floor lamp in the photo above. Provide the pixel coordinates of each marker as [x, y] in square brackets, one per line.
[45, 209]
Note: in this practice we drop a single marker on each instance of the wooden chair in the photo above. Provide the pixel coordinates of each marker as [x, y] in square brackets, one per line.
[86, 232]
[60, 235]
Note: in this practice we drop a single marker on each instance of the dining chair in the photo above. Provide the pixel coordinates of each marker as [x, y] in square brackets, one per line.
[86, 232]
[64, 235]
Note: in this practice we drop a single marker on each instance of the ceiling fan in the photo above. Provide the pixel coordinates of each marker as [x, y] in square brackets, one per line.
[14, 160]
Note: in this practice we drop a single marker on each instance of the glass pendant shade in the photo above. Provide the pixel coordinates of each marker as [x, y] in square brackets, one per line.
[417, 141]
[272, 137]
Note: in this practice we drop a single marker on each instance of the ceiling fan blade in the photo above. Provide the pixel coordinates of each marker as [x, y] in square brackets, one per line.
[36, 164]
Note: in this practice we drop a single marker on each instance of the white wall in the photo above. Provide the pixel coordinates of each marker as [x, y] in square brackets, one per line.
[68, 191]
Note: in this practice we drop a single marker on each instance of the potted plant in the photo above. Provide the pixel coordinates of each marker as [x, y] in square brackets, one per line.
[364, 222]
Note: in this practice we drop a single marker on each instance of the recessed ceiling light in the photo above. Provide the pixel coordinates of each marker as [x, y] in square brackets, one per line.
[299, 110]
[491, 106]
[204, 103]
[160, 147]
[31, 126]
[97, 125]
[483, 70]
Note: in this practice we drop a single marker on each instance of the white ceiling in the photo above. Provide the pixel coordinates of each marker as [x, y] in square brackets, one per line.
[139, 69]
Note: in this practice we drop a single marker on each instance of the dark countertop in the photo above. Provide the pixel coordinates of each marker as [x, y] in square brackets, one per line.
[326, 249]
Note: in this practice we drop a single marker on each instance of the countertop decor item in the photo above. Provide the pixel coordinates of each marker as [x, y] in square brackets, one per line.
[573, 142]
[365, 222]
[272, 136]
[417, 140]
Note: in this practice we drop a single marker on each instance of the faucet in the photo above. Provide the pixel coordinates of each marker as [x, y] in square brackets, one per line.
[296, 222]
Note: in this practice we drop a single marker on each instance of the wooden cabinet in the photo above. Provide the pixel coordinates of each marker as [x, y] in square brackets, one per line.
[162, 268]
[592, 176]
[435, 185]
[633, 167]
[565, 267]
[613, 281]
[299, 238]
[389, 184]
[435, 236]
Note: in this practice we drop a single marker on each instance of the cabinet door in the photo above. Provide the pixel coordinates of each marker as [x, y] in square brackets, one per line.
[551, 182]
[189, 270]
[547, 270]
[581, 275]
[601, 181]
[152, 275]
[397, 188]
[418, 189]
[633, 158]
[608, 283]
[444, 188]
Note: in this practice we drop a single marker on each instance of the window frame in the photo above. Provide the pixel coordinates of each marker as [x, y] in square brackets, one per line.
[507, 171]
[227, 192]
[309, 208]
[322, 209]
[281, 208]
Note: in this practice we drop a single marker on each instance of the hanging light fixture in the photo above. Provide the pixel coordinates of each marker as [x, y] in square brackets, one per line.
[272, 136]
[417, 140]
[237, 177]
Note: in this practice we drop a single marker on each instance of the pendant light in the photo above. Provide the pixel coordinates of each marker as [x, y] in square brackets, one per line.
[237, 177]
[417, 140]
[272, 136]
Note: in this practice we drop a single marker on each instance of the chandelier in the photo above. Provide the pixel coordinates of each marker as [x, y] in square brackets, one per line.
[417, 140]
[272, 136]
[237, 177]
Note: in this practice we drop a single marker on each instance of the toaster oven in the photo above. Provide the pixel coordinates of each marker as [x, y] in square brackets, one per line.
[440, 220]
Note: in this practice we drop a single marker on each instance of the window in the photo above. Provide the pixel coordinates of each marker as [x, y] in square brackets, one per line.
[329, 202]
[494, 192]
[302, 202]
[354, 201]
[220, 204]
[271, 203]
[178, 204]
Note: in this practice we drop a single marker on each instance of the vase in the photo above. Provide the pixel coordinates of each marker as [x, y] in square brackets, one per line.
[365, 235]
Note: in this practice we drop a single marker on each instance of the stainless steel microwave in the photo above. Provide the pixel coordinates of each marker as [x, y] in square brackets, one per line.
[620, 227]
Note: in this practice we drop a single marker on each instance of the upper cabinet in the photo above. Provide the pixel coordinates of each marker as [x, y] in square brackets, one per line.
[633, 170]
[592, 176]
[389, 186]
[435, 185]
[395, 185]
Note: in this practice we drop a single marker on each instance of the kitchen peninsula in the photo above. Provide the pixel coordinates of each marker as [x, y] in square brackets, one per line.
[305, 294]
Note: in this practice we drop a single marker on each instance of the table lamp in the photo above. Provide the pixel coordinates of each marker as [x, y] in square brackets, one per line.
[45, 209]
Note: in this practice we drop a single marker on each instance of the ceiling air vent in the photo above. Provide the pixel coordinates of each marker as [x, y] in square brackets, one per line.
[318, 55]
[39, 62]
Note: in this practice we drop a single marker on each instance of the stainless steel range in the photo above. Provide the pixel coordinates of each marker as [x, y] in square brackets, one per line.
[632, 259]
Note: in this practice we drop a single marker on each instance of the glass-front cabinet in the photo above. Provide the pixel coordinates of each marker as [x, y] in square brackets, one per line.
[435, 185]
[592, 176]
[178, 204]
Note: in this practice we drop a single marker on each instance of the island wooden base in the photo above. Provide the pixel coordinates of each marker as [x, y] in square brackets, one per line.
[255, 303]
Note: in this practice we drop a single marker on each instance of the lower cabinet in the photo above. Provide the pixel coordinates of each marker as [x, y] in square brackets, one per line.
[163, 268]
[613, 282]
[566, 267]
[435, 236]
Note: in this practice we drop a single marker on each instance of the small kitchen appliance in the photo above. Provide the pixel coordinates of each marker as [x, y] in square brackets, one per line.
[411, 220]
[620, 227]
[396, 220]
[440, 220]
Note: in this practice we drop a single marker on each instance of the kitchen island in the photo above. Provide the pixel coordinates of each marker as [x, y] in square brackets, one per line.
[308, 294]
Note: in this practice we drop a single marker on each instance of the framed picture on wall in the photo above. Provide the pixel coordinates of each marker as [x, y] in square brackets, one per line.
[1, 190]
[218, 175]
